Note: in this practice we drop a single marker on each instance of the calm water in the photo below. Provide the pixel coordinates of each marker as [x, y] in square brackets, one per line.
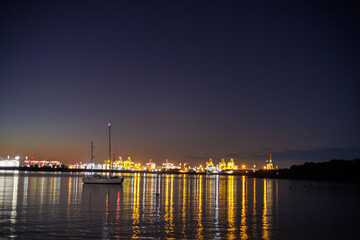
[150, 206]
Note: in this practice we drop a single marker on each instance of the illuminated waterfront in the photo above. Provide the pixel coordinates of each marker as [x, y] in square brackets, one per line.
[57, 205]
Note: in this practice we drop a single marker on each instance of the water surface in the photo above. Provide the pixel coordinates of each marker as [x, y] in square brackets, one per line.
[150, 206]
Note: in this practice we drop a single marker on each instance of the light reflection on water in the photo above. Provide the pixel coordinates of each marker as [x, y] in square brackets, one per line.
[58, 205]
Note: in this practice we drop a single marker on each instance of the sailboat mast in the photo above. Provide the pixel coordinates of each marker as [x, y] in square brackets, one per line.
[109, 142]
[92, 151]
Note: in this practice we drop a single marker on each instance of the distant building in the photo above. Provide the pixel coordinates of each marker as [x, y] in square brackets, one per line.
[10, 162]
[33, 162]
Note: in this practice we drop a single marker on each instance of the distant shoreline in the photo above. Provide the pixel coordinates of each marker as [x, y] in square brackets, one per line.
[248, 173]
[334, 170]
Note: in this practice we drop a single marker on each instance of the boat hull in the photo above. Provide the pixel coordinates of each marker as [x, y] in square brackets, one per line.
[102, 180]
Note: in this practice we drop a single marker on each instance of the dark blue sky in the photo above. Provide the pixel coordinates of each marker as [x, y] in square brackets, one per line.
[181, 80]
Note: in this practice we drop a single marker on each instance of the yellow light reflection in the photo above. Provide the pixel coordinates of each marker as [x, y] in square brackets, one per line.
[254, 200]
[68, 204]
[183, 212]
[277, 194]
[135, 205]
[209, 191]
[171, 216]
[148, 193]
[265, 220]
[69, 193]
[107, 204]
[167, 204]
[230, 208]
[221, 212]
[200, 228]
[243, 227]
[153, 190]
[169, 211]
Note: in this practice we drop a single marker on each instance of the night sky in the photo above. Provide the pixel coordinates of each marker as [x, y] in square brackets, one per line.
[181, 80]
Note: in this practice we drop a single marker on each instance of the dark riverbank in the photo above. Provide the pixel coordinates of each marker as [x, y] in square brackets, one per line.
[335, 170]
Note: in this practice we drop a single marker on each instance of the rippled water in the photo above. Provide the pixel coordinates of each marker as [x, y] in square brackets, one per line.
[151, 206]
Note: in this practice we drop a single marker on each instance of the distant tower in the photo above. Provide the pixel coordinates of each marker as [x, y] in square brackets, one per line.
[222, 164]
[270, 166]
[92, 151]
[231, 164]
[209, 163]
[108, 161]
[109, 142]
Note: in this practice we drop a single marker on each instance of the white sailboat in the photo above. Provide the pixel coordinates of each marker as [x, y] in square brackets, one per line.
[97, 178]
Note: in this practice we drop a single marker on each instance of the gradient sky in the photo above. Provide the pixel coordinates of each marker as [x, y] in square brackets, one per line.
[181, 80]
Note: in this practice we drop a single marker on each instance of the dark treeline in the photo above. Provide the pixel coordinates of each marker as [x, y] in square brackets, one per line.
[344, 170]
